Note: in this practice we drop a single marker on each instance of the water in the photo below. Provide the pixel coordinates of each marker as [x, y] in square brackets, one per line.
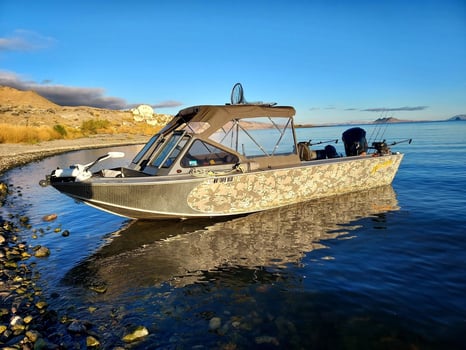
[377, 269]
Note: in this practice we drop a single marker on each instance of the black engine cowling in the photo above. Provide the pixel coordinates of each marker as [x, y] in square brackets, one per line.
[355, 141]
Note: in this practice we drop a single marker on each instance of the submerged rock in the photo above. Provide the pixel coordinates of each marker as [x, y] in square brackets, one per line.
[33, 335]
[215, 323]
[98, 288]
[138, 333]
[92, 342]
[42, 252]
[77, 327]
[41, 304]
[49, 217]
[267, 340]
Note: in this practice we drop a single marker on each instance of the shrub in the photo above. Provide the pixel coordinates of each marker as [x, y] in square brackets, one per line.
[92, 126]
[60, 129]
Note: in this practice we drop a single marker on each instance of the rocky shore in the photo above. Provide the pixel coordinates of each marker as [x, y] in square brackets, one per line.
[25, 320]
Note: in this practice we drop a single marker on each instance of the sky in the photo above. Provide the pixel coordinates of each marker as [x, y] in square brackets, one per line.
[334, 61]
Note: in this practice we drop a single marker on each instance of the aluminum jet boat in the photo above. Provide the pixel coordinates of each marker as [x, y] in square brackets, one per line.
[223, 160]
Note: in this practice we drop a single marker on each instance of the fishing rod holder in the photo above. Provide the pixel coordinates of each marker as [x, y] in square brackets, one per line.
[381, 147]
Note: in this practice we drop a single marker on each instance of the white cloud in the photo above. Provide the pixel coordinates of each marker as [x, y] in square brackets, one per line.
[25, 40]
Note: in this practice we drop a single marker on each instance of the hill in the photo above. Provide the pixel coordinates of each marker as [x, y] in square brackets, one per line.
[10, 97]
[27, 108]
[458, 117]
[390, 120]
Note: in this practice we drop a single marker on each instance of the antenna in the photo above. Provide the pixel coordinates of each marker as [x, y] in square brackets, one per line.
[237, 94]
[237, 97]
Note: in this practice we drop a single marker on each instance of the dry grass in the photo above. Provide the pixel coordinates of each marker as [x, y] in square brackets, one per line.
[27, 134]
[139, 128]
[10, 133]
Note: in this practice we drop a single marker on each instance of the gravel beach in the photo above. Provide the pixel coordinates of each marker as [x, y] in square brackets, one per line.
[12, 155]
[25, 320]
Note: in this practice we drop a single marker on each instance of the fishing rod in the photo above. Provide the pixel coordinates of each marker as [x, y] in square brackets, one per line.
[402, 141]
[382, 148]
[384, 129]
[377, 128]
[321, 142]
[380, 126]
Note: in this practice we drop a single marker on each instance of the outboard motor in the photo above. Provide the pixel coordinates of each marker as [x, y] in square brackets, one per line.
[355, 141]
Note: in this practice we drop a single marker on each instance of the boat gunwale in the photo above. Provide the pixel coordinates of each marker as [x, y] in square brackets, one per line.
[187, 178]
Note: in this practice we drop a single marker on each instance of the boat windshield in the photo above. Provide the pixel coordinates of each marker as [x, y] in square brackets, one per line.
[167, 148]
[146, 147]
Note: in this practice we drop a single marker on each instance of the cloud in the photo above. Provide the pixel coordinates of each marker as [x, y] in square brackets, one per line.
[167, 104]
[25, 40]
[73, 96]
[76, 96]
[396, 109]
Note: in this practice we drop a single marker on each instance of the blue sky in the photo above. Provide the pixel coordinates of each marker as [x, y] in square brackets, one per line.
[334, 61]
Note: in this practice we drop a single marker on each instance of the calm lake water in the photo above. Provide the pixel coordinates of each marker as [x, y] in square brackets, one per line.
[378, 269]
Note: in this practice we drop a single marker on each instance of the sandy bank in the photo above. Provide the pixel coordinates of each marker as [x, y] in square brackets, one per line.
[12, 155]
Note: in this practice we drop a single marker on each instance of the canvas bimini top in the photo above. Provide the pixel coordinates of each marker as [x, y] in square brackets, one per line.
[216, 116]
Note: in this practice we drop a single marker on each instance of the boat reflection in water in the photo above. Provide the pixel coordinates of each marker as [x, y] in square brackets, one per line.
[180, 253]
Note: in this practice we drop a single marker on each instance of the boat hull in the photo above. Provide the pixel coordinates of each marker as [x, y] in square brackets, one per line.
[155, 197]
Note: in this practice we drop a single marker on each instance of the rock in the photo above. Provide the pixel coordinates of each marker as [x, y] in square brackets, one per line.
[3, 328]
[137, 334]
[92, 342]
[3, 189]
[77, 327]
[16, 320]
[65, 233]
[49, 217]
[215, 323]
[267, 340]
[98, 288]
[41, 304]
[42, 252]
[42, 344]
[11, 265]
[33, 335]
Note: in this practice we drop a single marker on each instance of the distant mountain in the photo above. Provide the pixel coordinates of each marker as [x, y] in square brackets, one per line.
[390, 120]
[458, 117]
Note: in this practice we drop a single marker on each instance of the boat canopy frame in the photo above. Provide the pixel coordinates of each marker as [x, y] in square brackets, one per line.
[213, 125]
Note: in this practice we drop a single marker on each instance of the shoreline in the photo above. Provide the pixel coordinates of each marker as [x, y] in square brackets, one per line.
[13, 155]
[26, 322]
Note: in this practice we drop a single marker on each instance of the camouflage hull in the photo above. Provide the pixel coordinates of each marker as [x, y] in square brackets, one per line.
[187, 196]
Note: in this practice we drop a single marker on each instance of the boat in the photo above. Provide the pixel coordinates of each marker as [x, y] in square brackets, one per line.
[224, 160]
